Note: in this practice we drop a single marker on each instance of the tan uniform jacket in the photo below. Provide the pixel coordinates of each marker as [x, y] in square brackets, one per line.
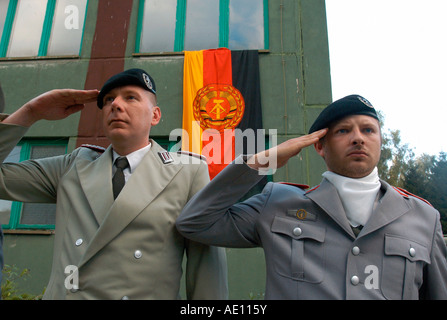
[311, 251]
[128, 248]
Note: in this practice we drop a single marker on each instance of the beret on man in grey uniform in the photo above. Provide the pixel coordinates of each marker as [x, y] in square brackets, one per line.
[347, 106]
[137, 77]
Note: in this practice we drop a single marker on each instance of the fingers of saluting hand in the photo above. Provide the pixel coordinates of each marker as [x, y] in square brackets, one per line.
[74, 97]
[292, 147]
[309, 139]
[278, 156]
[60, 103]
[53, 105]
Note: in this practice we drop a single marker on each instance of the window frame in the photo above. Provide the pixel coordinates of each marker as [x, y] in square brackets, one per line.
[224, 26]
[5, 38]
[16, 206]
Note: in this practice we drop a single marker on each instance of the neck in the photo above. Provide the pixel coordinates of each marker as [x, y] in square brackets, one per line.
[373, 175]
[357, 195]
[123, 149]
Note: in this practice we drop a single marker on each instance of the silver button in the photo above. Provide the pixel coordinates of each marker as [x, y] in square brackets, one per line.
[355, 280]
[138, 254]
[355, 251]
[125, 298]
[297, 231]
[79, 242]
[412, 252]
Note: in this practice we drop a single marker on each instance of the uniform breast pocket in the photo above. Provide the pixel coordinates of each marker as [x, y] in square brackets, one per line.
[403, 265]
[299, 251]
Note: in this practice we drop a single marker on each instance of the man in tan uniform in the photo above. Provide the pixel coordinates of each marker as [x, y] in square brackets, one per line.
[106, 248]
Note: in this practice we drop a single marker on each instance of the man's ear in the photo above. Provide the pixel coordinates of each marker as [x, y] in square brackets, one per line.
[319, 148]
[156, 117]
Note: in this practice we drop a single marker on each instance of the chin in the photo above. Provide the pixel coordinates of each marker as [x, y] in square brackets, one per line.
[360, 173]
[117, 135]
[355, 171]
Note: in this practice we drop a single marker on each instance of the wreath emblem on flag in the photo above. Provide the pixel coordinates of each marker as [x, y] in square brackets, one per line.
[219, 107]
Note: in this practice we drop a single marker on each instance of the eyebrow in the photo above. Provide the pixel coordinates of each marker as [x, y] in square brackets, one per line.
[125, 91]
[362, 122]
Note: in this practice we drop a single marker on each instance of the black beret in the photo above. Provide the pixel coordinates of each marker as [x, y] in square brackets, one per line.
[347, 106]
[137, 77]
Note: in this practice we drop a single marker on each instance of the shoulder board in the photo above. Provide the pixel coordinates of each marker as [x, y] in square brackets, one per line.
[301, 186]
[407, 194]
[192, 154]
[94, 148]
[313, 189]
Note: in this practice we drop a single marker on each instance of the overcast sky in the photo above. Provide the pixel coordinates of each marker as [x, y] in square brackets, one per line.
[394, 53]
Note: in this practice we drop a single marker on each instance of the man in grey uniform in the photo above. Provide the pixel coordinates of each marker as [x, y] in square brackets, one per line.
[352, 237]
[114, 240]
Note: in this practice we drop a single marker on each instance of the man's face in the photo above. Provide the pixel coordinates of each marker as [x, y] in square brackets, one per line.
[128, 114]
[352, 146]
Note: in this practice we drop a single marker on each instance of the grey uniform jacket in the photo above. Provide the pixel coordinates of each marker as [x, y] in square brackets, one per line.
[125, 248]
[310, 249]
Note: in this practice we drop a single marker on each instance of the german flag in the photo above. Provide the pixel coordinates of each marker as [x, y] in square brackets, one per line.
[221, 93]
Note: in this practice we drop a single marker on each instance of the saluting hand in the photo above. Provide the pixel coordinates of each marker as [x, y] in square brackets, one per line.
[53, 105]
[278, 156]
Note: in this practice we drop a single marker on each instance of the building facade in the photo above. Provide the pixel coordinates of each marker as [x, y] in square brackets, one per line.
[48, 44]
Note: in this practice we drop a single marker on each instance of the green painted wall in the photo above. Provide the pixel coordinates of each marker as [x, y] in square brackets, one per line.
[295, 86]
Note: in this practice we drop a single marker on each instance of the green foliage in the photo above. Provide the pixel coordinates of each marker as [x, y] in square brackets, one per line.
[10, 290]
[425, 175]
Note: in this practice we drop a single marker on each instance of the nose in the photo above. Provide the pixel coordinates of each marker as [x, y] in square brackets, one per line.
[357, 137]
[117, 103]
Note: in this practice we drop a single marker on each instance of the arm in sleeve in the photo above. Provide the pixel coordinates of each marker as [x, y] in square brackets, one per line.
[206, 266]
[212, 217]
[27, 181]
[435, 273]
[10, 135]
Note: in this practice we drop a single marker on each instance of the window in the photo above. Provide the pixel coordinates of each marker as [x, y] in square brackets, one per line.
[3, 11]
[178, 25]
[169, 145]
[39, 28]
[17, 215]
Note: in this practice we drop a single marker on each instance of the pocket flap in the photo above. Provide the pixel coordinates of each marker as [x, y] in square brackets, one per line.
[413, 251]
[298, 230]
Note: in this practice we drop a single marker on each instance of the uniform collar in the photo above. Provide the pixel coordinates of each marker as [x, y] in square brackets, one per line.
[389, 206]
[356, 195]
[134, 158]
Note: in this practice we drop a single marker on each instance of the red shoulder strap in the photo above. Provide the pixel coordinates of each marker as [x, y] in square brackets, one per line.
[313, 189]
[301, 186]
[94, 148]
[407, 194]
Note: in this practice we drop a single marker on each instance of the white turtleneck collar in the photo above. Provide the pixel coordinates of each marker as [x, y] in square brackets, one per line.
[357, 195]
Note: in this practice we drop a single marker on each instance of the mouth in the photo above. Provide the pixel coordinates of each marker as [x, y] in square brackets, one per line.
[116, 121]
[357, 153]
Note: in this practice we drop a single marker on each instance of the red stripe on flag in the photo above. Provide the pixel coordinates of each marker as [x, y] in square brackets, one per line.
[217, 67]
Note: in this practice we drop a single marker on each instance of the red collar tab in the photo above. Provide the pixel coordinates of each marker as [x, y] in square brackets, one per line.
[301, 186]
